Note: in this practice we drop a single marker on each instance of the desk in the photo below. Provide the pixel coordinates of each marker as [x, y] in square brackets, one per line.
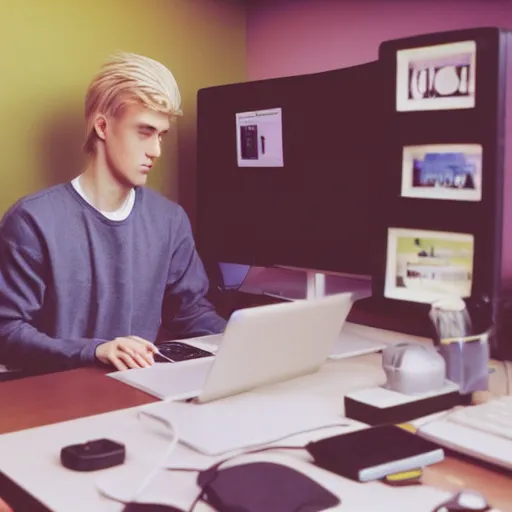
[47, 399]
[51, 398]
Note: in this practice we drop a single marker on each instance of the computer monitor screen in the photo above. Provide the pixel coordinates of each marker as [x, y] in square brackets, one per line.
[285, 170]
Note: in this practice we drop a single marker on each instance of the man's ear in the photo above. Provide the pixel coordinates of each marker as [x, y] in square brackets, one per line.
[100, 126]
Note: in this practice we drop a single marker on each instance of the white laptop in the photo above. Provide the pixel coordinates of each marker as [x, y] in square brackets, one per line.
[260, 345]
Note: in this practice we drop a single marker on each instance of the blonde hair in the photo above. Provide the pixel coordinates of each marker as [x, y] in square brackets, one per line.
[128, 78]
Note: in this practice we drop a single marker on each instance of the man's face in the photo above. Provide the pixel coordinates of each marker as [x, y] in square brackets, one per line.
[132, 143]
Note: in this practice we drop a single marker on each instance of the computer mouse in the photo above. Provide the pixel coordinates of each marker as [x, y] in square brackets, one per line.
[465, 501]
[413, 368]
[471, 500]
[150, 507]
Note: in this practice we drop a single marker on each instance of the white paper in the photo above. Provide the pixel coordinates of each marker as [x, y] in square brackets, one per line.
[259, 138]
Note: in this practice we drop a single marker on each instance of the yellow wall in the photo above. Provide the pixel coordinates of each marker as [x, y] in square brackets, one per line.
[51, 49]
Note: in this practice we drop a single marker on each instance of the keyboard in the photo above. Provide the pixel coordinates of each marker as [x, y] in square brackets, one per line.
[178, 351]
[481, 431]
[494, 417]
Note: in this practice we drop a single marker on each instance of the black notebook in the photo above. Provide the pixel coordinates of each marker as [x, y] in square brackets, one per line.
[375, 452]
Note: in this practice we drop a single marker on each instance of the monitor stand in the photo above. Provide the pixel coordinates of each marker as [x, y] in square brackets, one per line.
[293, 283]
[315, 284]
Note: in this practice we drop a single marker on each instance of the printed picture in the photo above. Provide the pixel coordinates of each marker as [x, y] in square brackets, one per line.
[260, 138]
[440, 77]
[443, 171]
[425, 266]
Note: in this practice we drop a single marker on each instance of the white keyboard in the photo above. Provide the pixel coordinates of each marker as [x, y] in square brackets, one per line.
[482, 431]
[494, 417]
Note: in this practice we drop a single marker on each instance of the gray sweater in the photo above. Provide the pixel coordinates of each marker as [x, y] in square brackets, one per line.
[71, 279]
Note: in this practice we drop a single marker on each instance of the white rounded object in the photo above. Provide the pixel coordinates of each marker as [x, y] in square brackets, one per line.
[413, 369]
[471, 500]
[447, 81]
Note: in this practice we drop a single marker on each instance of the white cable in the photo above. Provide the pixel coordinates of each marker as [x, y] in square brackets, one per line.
[162, 465]
[170, 425]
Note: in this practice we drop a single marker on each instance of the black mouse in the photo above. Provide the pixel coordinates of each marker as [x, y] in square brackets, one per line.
[150, 507]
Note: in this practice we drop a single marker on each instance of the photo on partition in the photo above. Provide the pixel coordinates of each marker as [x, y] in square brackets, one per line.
[259, 138]
[424, 266]
[440, 77]
[442, 171]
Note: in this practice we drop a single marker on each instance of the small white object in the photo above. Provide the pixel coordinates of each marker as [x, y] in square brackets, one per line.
[447, 81]
[450, 304]
[413, 369]
[471, 500]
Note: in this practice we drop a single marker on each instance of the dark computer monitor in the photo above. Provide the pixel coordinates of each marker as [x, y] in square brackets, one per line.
[285, 170]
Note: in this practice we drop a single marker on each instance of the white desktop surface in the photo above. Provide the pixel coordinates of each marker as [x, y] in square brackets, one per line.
[31, 457]
[355, 340]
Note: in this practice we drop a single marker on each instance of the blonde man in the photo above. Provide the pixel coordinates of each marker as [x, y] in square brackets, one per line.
[95, 269]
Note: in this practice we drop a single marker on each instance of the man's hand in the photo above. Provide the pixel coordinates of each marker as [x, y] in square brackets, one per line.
[127, 352]
[4, 507]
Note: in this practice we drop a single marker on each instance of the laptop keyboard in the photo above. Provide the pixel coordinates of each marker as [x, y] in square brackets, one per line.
[178, 351]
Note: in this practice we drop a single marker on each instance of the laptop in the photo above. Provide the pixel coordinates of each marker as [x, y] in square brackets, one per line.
[260, 345]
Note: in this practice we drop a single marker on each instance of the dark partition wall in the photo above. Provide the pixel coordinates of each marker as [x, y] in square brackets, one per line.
[440, 197]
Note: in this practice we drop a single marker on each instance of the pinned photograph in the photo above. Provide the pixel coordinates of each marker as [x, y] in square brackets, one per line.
[425, 266]
[259, 138]
[442, 171]
[440, 77]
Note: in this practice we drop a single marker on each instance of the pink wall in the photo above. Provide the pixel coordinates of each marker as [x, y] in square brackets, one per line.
[291, 37]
